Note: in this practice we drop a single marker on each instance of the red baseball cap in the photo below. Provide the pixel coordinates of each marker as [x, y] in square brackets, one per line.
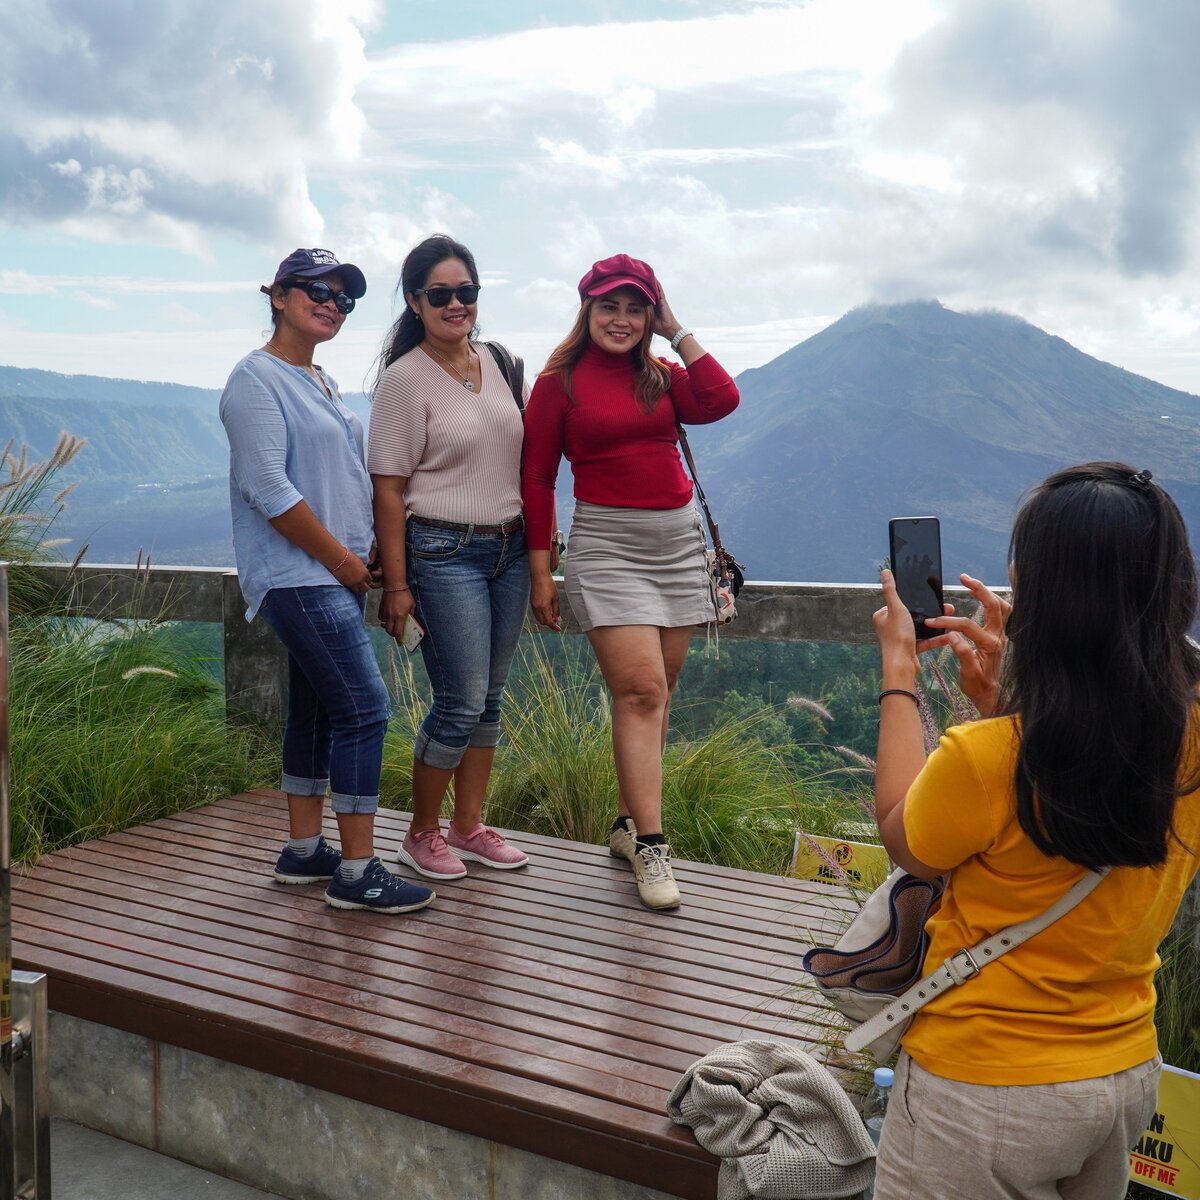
[619, 271]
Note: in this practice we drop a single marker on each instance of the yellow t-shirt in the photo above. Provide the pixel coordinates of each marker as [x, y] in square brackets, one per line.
[1077, 1000]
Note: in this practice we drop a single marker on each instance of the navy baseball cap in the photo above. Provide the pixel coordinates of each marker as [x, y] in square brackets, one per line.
[312, 264]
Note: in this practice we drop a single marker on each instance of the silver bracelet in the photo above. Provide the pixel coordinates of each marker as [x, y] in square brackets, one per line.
[683, 333]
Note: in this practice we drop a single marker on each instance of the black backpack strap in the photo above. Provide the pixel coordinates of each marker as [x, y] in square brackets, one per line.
[513, 370]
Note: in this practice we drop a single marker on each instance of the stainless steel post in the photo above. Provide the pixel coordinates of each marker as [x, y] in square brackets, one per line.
[8, 1159]
[31, 1078]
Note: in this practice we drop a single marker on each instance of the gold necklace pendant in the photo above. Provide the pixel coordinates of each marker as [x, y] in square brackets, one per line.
[466, 376]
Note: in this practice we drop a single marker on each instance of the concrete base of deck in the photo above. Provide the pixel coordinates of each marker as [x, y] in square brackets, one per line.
[288, 1138]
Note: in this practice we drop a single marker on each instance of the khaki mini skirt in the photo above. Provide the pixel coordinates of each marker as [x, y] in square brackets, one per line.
[637, 566]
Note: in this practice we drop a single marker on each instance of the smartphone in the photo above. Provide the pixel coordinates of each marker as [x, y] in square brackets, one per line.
[915, 546]
[412, 633]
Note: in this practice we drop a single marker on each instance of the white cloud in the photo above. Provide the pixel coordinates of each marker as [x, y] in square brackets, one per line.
[778, 161]
[154, 123]
[644, 58]
[104, 303]
[25, 282]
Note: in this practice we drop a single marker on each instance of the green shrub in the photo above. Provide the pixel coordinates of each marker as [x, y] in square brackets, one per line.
[731, 796]
[1177, 1016]
[109, 728]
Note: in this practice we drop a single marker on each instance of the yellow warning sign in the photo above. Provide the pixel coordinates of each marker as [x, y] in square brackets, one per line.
[1167, 1157]
[839, 861]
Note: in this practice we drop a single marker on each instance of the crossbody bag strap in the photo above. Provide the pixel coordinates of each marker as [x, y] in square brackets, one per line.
[713, 529]
[966, 964]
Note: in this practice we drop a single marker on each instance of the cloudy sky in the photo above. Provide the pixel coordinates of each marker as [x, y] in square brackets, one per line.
[778, 162]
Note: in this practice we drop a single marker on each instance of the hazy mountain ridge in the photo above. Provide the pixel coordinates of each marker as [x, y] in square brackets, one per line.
[892, 410]
[135, 443]
[153, 475]
[912, 408]
[16, 382]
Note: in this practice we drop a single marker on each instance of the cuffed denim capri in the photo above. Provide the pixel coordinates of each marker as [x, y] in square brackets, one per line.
[471, 592]
[637, 566]
[338, 704]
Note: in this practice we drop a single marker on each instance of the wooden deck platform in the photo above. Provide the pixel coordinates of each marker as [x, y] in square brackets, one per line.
[544, 1008]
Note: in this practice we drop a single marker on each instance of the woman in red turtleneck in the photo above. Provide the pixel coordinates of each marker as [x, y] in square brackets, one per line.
[635, 574]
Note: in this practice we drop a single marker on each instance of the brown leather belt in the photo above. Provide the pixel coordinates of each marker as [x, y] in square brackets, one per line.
[510, 526]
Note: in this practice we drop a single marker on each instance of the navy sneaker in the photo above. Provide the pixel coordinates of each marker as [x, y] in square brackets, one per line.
[378, 889]
[321, 865]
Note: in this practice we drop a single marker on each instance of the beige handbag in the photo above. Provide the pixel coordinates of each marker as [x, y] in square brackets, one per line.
[873, 973]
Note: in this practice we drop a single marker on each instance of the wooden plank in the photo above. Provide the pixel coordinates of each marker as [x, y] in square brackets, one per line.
[599, 950]
[490, 955]
[422, 985]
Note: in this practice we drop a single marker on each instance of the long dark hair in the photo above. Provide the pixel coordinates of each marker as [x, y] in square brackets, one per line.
[1101, 673]
[408, 331]
[653, 376]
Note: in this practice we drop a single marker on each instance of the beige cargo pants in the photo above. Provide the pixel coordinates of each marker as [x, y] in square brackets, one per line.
[1054, 1141]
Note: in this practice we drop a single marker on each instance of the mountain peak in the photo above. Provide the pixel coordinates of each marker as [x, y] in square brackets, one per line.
[913, 407]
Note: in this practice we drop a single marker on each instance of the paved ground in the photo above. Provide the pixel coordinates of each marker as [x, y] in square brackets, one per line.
[86, 1165]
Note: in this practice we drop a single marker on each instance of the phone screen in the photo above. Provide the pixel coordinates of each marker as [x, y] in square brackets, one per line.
[916, 553]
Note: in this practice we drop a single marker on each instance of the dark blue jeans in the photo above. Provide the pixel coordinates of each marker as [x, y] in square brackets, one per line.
[471, 592]
[338, 705]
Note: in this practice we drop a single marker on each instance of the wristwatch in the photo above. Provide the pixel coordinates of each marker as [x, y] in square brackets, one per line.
[679, 338]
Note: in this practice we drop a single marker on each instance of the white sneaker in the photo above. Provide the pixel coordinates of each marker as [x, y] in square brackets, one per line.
[655, 881]
[621, 840]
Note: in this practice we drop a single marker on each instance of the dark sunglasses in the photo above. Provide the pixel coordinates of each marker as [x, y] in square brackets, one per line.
[439, 297]
[319, 292]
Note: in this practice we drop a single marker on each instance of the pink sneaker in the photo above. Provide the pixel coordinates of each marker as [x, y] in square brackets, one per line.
[428, 854]
[486, 846]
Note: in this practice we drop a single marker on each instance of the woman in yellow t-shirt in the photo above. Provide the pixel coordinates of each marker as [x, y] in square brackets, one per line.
[1034, 1079]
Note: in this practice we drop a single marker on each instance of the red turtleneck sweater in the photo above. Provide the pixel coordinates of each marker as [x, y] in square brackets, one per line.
[620, 455]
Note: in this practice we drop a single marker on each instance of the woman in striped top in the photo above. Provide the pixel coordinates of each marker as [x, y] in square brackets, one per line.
[445, 457]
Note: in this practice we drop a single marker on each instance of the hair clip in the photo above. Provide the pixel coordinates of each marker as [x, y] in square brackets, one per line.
[1141, 480]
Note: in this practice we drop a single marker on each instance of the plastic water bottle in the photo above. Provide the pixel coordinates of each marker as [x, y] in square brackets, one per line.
[875, 1109]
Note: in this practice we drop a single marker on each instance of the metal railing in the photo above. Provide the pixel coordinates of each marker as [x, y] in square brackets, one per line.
[256, 667]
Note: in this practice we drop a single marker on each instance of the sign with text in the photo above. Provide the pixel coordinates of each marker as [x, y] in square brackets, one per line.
[839, 861]
[1167, 1157]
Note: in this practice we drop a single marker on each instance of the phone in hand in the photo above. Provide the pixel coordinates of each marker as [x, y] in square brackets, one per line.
[411, 634]
[915, 546]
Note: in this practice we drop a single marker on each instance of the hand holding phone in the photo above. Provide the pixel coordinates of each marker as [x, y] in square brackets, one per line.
[915, 546]
[411, 635]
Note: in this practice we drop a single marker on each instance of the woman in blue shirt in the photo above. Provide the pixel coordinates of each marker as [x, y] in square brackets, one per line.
[302, 535]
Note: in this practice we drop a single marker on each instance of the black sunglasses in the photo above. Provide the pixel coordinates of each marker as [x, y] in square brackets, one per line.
[439, 297]
[319, 292]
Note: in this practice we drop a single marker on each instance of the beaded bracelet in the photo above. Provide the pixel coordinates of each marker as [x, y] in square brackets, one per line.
[401, 588]
[341, 562]
[898, 692]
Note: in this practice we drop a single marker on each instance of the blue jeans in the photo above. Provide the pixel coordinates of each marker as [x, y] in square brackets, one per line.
[471, 592]
[338, 705]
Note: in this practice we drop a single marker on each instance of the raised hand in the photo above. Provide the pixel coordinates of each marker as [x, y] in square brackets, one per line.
[666, 324]
[979, 648]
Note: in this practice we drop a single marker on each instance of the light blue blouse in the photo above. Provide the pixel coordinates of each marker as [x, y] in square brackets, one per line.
[289, 442]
